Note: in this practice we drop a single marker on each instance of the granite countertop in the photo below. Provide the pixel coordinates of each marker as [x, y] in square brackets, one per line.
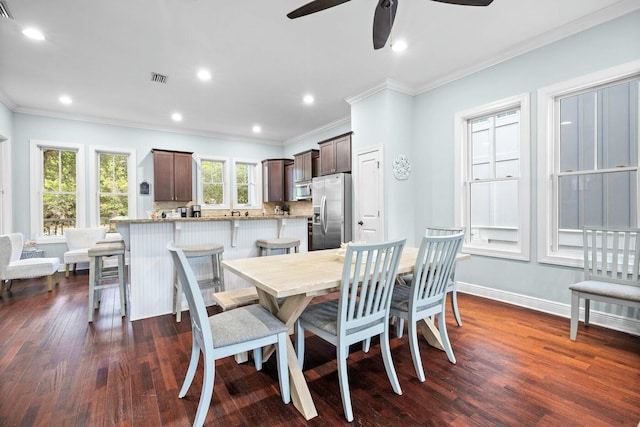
[214, 218]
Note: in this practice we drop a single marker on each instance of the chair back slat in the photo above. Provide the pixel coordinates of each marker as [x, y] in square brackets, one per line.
[197, 309]
[432, 270]
[368, 277]
[612, 255]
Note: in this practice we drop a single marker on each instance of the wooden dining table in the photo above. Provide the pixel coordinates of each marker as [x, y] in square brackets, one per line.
[297, 279]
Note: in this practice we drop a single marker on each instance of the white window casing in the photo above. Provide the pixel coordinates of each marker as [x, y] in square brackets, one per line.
[516, 228]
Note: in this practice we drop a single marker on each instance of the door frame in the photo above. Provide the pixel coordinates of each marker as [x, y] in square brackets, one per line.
[356, 197]
[6, 195]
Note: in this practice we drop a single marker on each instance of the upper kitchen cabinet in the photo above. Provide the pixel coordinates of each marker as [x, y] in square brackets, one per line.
[172, 176]
[289, 184]
[335, 155]
[305, 165]
[273, 174]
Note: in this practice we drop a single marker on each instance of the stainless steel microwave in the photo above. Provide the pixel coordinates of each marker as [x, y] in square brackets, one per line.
[303, 191]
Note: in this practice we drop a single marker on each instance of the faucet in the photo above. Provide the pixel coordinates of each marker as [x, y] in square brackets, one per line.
[233, 213]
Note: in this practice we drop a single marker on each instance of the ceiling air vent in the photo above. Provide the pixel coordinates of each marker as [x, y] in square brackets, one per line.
[159, 78]
[4, 10]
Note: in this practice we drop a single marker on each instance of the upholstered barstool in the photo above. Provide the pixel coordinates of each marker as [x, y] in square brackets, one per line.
[286, 243]
[101, 277]
[215, 281]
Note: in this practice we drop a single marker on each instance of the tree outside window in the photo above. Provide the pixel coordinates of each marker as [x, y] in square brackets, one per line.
[213, 182]
[113, 194]
[243, 174]
[59, 209]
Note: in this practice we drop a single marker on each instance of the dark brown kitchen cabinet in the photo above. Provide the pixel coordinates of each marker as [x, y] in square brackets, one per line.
[335, 155]
[273, 174]
[172, 176]
[304, 168]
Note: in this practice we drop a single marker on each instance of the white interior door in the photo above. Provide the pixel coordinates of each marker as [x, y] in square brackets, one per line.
[368, 220]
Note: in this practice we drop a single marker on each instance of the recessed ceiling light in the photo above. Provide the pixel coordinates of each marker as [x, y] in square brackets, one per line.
[33, 33]
[176, 117]
[399, 46]
[308, 99]
[257, 129]
[204, 75]
[65, 99]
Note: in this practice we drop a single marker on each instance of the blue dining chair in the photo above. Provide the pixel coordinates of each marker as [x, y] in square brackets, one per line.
[226, 334]
[361, 311]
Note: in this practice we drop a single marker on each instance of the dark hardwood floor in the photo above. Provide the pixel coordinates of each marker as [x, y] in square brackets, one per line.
[515, 367]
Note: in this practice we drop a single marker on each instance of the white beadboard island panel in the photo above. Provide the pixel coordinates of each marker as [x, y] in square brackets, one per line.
[151, 267]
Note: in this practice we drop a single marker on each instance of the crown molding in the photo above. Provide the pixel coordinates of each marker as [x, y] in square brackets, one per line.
[7, 102]
[586, 22]
[386, 84]
[323, 128]
[145, 126]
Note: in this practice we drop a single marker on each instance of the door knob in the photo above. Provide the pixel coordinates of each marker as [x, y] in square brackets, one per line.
[360, 223]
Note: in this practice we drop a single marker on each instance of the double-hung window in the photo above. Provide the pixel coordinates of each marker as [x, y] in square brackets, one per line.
[112, 185]
[213, 191]
[492, 178]
[247, 184]
[589, 160]
[57, 189]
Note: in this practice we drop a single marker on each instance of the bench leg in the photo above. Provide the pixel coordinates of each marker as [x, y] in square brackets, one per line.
[50, 282]
[575, 310]
[66, 271]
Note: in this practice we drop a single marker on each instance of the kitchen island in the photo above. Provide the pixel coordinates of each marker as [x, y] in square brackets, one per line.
[150, 264]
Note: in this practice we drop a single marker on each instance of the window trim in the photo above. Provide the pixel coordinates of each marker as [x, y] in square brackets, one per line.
[461, 149]
[35, 185]
[257, 168]
[94, 150]
[227, 184]
[548, 153]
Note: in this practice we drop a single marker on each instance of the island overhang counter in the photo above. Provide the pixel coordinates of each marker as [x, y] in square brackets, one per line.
[151, 270]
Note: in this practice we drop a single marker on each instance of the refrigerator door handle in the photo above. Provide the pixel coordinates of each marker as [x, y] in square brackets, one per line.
[323, 214]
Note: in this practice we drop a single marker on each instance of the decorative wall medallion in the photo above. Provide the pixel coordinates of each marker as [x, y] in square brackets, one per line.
[401, 167]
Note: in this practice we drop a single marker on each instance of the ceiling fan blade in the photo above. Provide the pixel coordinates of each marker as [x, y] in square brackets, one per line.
[383, 21]
[313, 7]
[467, 2]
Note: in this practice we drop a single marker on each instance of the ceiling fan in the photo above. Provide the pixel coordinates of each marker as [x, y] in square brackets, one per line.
[383, 17]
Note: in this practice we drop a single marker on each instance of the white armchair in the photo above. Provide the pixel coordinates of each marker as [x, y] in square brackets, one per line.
[79, 240]
[12, 267]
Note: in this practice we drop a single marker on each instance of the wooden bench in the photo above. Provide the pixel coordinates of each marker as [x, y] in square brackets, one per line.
[236, 298]
[611, 271]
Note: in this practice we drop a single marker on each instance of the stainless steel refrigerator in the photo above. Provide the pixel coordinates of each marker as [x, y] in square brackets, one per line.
[331, 198]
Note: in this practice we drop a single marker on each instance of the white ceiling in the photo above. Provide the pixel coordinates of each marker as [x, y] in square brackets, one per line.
[102, 53]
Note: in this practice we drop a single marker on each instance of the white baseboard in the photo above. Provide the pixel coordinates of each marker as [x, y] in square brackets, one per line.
[607, 320]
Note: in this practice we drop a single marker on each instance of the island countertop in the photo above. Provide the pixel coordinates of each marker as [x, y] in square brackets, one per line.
[208, 218]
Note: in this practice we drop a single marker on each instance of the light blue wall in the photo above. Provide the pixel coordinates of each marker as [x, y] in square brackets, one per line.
[385, 120]
[28, 127]
[6, 121]
[601, 47]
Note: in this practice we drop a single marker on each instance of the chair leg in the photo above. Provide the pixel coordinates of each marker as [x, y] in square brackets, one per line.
[257, 358]
[343, 378]
[366, 345]
[177, 297]
[388, 361]
[415, 350]
[207, 391]
[66, 270]
[50, 282]
[400, 327]
[299, 336]
[575, 309]
[587, 309]
[122, 284]
[191, 371]
[454, 306]
[92, 284]
[283, 369]
[444, 336]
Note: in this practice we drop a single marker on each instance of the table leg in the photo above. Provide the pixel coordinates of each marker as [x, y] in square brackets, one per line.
[431, 333]
[289, 313]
